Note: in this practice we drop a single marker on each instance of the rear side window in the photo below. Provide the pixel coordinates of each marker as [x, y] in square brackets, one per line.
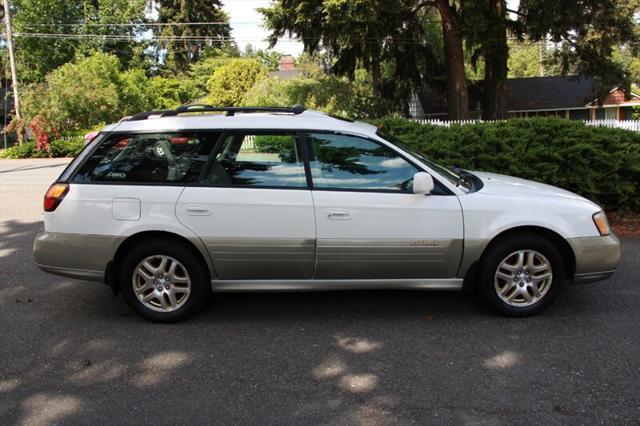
[149, 158]
[257, 160]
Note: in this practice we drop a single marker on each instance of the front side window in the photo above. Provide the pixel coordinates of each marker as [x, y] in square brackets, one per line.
[148, 158]
[351, 162]
[257, 160]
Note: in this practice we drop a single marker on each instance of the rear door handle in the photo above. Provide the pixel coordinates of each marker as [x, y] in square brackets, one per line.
[198, 211]
[336, 214]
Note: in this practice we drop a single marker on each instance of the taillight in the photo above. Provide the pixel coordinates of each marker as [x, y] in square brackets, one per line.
[54, 196]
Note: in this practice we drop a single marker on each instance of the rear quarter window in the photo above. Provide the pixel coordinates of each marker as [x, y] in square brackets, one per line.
[148, 158]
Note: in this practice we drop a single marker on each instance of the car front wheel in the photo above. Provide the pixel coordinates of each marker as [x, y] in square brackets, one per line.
[521, 275]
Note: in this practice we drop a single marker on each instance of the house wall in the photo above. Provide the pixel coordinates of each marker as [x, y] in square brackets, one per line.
[615, 97]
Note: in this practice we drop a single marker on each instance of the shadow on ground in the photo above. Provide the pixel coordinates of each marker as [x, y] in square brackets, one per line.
[72, 353]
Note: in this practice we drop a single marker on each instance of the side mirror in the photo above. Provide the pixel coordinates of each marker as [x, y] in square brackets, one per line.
[422, 183]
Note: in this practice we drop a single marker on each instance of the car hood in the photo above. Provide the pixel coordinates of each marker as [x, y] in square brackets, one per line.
[496, 184]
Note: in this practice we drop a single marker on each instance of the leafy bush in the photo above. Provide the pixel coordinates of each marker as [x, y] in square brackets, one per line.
[229, 83]
[598, 163]
[58, 148]
[67, 148]
[26, 150]
[94, 89]
[168, 93]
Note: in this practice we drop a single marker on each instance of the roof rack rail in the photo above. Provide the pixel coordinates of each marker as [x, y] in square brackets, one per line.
[296, 109]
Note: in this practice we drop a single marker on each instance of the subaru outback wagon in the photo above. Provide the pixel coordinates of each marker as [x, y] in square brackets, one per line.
[170, 206]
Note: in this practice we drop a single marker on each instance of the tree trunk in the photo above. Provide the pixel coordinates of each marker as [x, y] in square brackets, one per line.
[457, 92]
[376, 77]
[496, 55]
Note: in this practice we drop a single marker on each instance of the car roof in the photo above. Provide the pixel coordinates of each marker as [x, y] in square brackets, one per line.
[307, 120]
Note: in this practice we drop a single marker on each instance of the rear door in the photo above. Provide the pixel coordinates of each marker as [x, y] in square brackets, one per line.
[253, 209]
[370, 224]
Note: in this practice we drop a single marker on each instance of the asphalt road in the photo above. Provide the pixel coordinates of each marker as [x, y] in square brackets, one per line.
[71, 353]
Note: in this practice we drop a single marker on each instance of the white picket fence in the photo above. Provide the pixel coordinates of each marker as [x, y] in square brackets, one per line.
[248, 144]
[633, 125]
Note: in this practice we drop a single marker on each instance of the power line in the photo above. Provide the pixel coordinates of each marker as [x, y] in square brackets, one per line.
[140, 24]
[127, 37]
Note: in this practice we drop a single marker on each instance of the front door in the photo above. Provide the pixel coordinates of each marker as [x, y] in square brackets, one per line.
[254, 211]
[370, 225]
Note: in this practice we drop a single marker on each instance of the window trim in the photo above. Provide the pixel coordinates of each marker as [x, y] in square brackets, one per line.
[220, 143]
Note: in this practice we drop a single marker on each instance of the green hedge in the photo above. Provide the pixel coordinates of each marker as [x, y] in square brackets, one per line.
[598, 163]
[59, 148]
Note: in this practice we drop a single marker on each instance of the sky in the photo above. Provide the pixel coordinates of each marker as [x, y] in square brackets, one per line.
[246, 25]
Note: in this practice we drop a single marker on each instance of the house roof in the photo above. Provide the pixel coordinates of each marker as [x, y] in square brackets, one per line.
[549, 93]
[529, 94]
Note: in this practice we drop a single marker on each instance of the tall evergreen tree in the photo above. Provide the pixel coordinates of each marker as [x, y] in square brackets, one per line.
[388, 38]
[185, 44]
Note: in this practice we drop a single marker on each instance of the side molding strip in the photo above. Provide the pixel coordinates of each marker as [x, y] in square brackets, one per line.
[323, 285]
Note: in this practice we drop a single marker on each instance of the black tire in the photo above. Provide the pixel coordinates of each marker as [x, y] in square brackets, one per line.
[200, 284]
[495, 255]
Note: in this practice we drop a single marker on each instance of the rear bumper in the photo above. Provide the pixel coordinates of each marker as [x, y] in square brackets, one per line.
[596, 257]
[79, 256]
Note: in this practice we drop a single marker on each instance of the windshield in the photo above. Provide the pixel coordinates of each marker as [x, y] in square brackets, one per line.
[443, 171]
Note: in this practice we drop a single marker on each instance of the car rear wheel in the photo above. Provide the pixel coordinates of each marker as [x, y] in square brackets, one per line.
[521, 275]
[164, 281]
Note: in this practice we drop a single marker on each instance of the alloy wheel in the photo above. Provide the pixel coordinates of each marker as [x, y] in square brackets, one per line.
[523, 278]
[161, 283]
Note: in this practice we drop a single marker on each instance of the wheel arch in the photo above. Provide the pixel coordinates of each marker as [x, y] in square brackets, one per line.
[568, 256]
[196, 247]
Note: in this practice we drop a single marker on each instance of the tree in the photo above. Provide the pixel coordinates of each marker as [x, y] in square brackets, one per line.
[201, 71]
[457, 91]
[485, 26]
[269, 58]
[625, 56]
[229, 83]
[525, 60]
[185, 43]
[327, 93]
[171, 92]
[66, 101]
[38, 55]
[386, 38]
[586, 33]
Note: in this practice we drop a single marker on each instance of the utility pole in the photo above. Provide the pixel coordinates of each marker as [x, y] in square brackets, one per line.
[12, 58]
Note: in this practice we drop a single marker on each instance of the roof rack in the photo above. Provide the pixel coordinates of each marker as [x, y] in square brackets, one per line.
[296, 109]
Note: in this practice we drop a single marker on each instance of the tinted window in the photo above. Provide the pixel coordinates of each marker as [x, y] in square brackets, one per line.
[257, 160]
[350, 162]
[147, 158]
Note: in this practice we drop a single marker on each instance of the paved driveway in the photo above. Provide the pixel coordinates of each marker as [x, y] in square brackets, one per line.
[71, 353]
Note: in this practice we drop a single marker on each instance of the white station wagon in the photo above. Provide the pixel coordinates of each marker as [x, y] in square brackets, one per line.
[168, 206]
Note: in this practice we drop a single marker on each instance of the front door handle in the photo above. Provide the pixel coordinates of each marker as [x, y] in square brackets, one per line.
[336, 214]
[198, 210]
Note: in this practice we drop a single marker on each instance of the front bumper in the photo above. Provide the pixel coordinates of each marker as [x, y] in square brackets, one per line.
[596, 257]
[79, 256]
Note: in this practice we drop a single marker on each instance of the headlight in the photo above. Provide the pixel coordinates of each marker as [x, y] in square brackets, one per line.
[600, 219]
